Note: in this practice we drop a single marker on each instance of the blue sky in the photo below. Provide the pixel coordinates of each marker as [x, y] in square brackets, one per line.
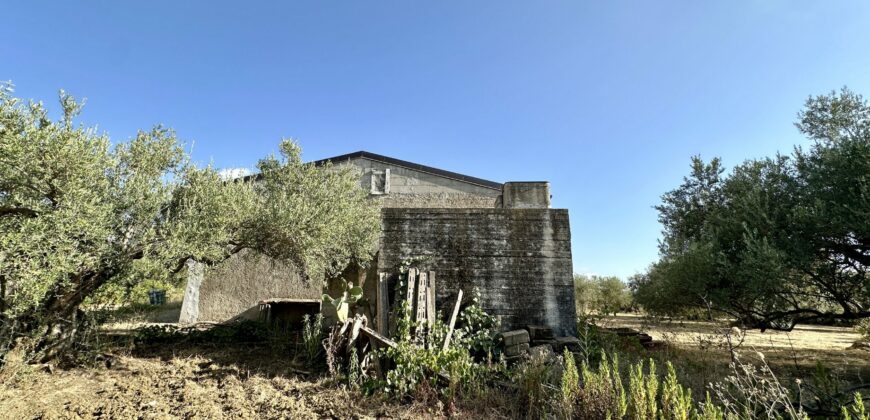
[607, 100]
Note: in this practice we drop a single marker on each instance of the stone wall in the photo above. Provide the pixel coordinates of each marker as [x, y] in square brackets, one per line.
[520, 259]
[235, 287]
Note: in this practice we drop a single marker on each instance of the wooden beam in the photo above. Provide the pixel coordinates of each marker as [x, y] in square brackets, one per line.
[410, 298]
[422, 292]
[452, 321]
[430, 299]
[383, 305]
[377, 338]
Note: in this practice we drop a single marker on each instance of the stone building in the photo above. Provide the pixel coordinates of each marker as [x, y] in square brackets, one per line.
[502, 238]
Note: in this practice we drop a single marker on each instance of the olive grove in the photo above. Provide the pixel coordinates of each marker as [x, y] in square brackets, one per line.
[80, 213]
[777, 241]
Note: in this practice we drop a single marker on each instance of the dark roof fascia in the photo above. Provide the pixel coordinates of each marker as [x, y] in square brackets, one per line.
[411, 165]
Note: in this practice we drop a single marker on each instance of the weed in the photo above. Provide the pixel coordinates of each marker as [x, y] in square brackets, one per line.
[312, 337]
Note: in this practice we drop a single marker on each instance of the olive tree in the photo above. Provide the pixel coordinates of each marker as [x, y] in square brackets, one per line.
[778, 241]
[602, 294]
[78, 213]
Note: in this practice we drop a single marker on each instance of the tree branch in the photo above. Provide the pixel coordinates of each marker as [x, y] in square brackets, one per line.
[18, 211]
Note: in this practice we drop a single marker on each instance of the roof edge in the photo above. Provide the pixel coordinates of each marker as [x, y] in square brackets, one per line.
[411, 165]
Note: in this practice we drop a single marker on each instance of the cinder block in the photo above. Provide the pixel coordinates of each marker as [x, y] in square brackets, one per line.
[570, 343]
[516, 349]
[539, 332]
[551, 342]
[515, 337]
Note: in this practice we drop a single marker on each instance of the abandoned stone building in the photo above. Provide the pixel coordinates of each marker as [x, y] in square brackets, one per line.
[501, 238]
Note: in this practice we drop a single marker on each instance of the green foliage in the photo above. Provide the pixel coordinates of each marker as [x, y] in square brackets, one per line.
[779, 240]
[643, 392]
[570, 384]
[856, 409]
[600, 294]
[312, 338]
[478, 330]
[710, 411]
[354, 371]
[79, 215]
[453, 371]
[538, 383]
[603, 394]
[350, 294]
[677, 401]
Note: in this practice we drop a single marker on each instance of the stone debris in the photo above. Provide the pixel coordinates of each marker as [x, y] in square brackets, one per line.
[515, 337]
[544, 352]
[516, 342]
[516, 349]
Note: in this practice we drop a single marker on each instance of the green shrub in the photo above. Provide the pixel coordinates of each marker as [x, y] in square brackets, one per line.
[856, 409]
[643, 391]
[570, 384]
[537, 382]
[312, 338]
[461, 369]
[602, 394]
[676, 400]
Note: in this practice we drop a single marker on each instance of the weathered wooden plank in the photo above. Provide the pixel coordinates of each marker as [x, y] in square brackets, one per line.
[410, 297]
[422, 293]
[430, 299]
[383, 305]
[452, 320]
[379, 339]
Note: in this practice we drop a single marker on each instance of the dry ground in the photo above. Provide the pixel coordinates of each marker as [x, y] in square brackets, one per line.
[690, 333]
[700, 352]
[255, 381]
[237, 381]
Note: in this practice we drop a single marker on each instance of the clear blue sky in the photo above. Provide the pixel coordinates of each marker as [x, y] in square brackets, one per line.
[607, 100]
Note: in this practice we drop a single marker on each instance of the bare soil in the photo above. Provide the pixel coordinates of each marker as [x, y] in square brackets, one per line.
[245, 380]
[199, 382]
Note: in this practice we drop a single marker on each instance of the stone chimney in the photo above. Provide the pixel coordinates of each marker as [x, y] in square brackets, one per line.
[525, 195]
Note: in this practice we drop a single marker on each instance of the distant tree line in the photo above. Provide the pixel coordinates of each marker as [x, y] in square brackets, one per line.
[776, 241]
[603, 295]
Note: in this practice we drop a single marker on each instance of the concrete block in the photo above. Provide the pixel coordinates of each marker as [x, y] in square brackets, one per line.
[551, 342]
[539, 332]
[515, 337]
[570, 343]
[526, 195]
[516, 349]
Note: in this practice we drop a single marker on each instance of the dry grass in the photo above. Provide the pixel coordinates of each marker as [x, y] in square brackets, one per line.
[226, 381]
[803, 337]
[256, 381]
[700, 351]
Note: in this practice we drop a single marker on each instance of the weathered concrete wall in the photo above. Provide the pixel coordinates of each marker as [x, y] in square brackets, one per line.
[520, 259]
[412, 188]
[526, 195]
[235, 287]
